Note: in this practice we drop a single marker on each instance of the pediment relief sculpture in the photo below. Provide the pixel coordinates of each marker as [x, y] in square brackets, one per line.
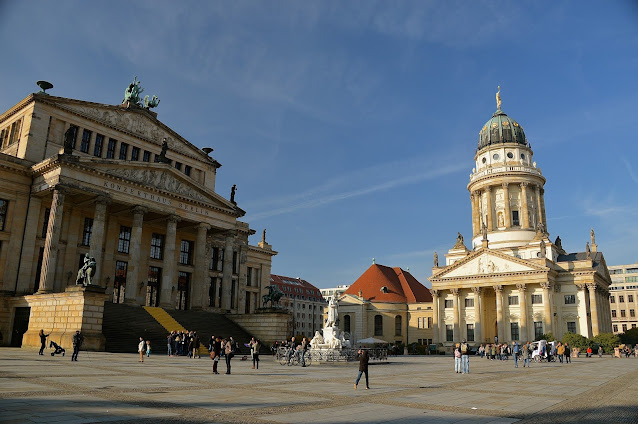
[160, 180]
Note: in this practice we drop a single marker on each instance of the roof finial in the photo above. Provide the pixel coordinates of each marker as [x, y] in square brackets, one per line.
[372, 261]
[498, 98]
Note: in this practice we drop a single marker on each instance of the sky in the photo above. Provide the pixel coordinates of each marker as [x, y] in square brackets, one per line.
[350, 127]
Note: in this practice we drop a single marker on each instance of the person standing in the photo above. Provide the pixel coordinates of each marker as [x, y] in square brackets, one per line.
[196, 344]
[363, 368]
[43, 341]
[525, 355]
[148, 348]
[560, 351]
[302, 351]
[169, 343]
[254, 348]
[215, 353]
[465, 357]
[140, 349]
[457, 358]
[78, 339]
[229, 350]
[515, 352]
[600, 351]
[568, 354]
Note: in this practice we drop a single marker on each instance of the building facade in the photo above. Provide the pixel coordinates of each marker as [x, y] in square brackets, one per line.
[334, 291]
[85, 180]
[623, 299]
[514, 283]
[388, 304]
[304, 301]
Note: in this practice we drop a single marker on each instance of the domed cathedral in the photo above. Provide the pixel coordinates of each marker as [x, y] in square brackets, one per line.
[515, 284]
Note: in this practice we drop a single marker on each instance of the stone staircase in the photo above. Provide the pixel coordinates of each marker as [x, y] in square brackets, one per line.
[123, 325]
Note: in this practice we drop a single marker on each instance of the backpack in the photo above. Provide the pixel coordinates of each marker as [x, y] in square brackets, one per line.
[464, 348]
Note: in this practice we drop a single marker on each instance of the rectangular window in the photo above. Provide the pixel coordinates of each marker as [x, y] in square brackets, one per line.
[616, 271]
[87, 231]
[537, 299]
[630, 298]
[615, 328]
[571, 326]
[185, 252]
[215, 259]
[623, 314]
[124, 241]
[4, 205]
[419, 322]
[45, 223]
[613, 313]
[512, 300]
[470, 332]
[632, 313]
[233, 295]
[187, 170]
[249, 277]
[154, 275]
[621, 299]
[157, 246]
[632, 270]
[612, 299]
[449, 303]
[515, 222]
[570, 299]
[146, 157]
[538, 329]
[123, 151]
[110, 148]
[429, 322]
[178, 166]
[97, 149]
[135, 153]
[235, 262]
[624, 328]
[86, 139]
[75, 135]
[633, 279]
[449, 333]
[514, 331]
[469, 303]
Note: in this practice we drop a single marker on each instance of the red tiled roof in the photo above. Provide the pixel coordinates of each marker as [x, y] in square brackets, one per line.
[282, 281]
[402, 287]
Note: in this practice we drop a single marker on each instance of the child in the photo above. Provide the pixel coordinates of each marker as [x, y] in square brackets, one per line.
[148, 348]
[457, 358]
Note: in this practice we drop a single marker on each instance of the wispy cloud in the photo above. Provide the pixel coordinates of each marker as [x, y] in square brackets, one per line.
[630, 170]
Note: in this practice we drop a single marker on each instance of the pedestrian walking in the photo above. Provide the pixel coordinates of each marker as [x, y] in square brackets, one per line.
[465, 357]
[148, 348]
[560, 350]
[525, 355]
[515, 352]
[457, 358]
[363, 367]
[568, 354]
[43, 341]
[78, 339]
[141, 350]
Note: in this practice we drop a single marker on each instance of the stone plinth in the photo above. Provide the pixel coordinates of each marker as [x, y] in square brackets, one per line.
[267, 324]
[61, 314]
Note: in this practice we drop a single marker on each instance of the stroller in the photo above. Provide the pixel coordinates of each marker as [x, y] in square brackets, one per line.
[58, 349]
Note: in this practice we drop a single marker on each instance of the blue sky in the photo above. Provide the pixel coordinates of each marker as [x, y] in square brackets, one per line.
[350, 127]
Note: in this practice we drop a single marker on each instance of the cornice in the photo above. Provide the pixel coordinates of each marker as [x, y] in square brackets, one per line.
[488, 276]
[17, 107]
[260, 250]
[485, 178]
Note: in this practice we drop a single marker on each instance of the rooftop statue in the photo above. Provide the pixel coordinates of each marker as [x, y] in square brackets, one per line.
[436, 259]
[133, 95]
[498, 98]
[149, 104]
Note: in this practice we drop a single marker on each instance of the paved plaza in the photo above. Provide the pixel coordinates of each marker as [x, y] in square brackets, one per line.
[116, 388]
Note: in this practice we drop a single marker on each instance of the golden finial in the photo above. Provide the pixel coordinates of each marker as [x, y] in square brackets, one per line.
[498, 98]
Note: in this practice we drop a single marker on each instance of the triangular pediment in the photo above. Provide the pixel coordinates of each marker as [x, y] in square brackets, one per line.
[486, 261]
[133, 120]
[161, 177]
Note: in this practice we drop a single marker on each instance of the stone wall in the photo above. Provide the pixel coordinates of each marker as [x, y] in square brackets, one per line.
[61, 314]
[267, 325]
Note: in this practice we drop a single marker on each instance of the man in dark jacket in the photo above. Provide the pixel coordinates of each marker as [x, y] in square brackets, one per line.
[77, 344]
[363, 367]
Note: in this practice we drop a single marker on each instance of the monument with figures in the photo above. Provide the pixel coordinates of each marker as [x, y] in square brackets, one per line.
[332, 343]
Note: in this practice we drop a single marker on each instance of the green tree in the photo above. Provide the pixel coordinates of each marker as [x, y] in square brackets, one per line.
[576, 340]
[548, 336]
[607, 340]
[630, 337]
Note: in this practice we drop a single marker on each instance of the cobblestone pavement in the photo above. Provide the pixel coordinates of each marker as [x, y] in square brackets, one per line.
[116, 388]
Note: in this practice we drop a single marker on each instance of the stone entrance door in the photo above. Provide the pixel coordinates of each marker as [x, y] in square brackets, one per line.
[20, 325]
[119, 286]
[183, 282]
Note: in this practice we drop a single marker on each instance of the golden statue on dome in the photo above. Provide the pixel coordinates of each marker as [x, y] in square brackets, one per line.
[498, 98]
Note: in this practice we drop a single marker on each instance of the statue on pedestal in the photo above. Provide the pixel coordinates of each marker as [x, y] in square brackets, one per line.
[436, 259]
[233, 189]
[85, 274]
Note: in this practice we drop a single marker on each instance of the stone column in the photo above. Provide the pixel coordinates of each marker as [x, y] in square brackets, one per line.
[593, 309]
[508, 212]
[133, 273]
[242, 271]
[539, 212]
[169, 265]
[542, 207]
[476, 228]
[524, 207]
[499, 312]
[455, 313]
[200, 280]
[29, 252]
[478, 328]
[547, 308]
[16, 226]
[50, 257]
[435, 316]
[490, 212]
[583, 320]
[97, 237]
[227, 274]
[524, 330]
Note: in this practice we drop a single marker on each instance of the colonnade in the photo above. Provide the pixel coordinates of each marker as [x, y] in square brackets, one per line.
[491, 220]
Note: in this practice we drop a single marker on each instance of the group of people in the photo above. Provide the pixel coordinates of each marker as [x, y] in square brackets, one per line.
[77, 340]
[144, 347]
[183, 343]
[228, 348]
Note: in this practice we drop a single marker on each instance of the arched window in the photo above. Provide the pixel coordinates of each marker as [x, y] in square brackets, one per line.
[397, 325]
[346, 323]
[378, 325]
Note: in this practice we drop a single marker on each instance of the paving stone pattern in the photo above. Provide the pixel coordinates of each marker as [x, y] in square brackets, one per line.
[116, 388]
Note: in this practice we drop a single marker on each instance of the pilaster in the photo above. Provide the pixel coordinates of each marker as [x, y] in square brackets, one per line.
[50, 257]
[133, 276]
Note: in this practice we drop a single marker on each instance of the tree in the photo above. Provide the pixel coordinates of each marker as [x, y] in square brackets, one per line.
[630, 337]
[576, 340]
[549, 337]
[607, 340]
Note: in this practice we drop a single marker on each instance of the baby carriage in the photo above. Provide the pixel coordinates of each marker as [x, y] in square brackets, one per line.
[58, 349]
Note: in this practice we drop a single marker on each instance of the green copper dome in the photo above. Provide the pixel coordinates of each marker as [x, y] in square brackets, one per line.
[501, 129]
